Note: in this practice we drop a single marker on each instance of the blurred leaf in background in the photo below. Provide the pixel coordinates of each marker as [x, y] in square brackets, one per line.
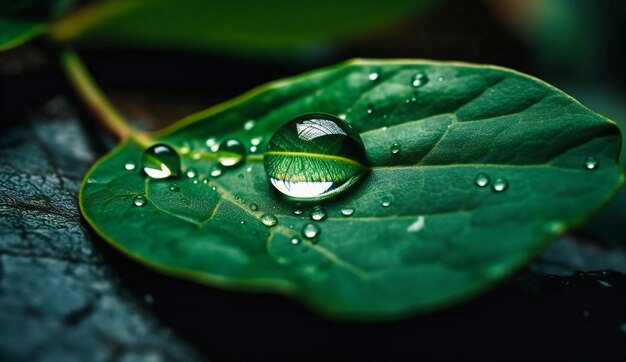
[20, 21]
[245, 26]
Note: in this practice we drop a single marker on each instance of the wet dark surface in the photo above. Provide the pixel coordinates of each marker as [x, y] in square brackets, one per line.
[66, 295]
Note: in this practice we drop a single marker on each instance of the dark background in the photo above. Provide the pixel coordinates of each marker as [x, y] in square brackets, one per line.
[65, 295]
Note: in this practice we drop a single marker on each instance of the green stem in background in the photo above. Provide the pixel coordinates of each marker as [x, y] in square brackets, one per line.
[95, 99]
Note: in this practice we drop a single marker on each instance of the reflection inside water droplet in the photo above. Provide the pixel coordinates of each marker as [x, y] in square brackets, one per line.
[139, 200]
[315, 156]
[419, 80]
[395, 148]
[591, 163]
[130, 165]
[481, 180]
[231, 153]
[499, 184]
[160, 161]
[269, 220]
[311, 231]
[347, 211]
[191, 172]
[318, 213]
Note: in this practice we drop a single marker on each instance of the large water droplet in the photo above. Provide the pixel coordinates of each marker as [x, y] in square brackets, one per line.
[139, 200]
[347, 211]
[269, 220]
[311, 231]
[499, 184]
[419, 80]
[315, 156]
[395, 148]
[591, 163]
[318, 213]
[231, 153]
[482, 180]
[130, 164]
[161, 161]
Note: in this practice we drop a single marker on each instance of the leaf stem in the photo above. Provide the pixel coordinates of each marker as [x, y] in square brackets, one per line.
[89, 91]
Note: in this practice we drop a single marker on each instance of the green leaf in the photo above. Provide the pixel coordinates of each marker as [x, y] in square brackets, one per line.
[441, 240]
[245, 26]
[21, 21]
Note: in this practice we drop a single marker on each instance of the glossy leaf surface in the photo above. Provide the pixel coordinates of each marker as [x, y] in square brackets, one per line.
[427, 229]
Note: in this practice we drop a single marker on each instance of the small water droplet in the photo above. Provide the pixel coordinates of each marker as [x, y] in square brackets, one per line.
[196, 155]
[231, 153]
[249, 169]
[440, 78]
[139, 200]
[256, 141]
[374, 75]
[254, 207]
[195, 182]
[191, 172]
[269, 220]
[499, 184]
[249, 124]
[318, 213]
[205, 181]
[297, 209]
[311, 231]
[591, 163]
[130, 164]
[216, 171]
[242, 222]
[386, 201]
[253, 149]
[174, 188]
[419, 80]
[370, 108]
[295, 240]
[395, 148]
[482, 180]
[184, 148]
[212, 144]
[160, 161]
[213, 188]
[347, 211]
[240, 176]
[413, 98]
